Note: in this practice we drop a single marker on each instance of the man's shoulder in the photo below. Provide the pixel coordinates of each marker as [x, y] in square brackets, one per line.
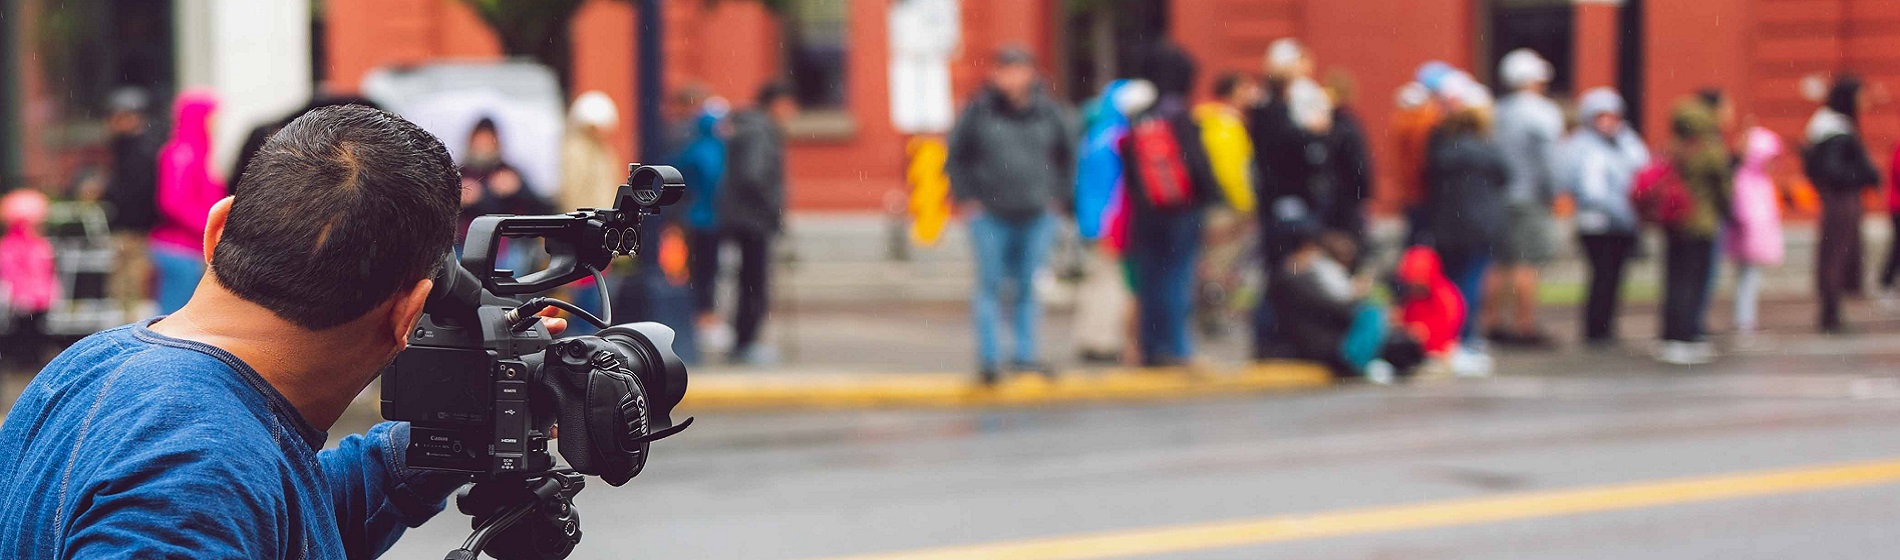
[124, 387]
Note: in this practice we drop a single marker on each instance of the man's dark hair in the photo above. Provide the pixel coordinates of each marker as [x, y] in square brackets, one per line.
[772, 92]
[1227, 83]
[340, 210]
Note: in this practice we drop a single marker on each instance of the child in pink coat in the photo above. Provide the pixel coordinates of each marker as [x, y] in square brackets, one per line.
[26, 271]
[1754, 240]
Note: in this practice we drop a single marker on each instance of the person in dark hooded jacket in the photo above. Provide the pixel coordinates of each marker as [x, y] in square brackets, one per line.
[751, 210]
[1165, 239]
[1836, 162]
[1706, 167]
[1465, 182]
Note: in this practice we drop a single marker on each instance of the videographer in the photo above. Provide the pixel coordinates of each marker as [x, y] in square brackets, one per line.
[197, 435]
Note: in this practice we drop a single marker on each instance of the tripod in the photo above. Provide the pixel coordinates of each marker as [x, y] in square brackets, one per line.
[536, 513]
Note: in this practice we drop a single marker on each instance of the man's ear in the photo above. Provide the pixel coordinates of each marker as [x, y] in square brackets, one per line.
[407, 309]
[214, 225]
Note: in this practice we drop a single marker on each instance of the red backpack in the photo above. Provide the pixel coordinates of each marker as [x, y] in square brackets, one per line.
[1157, 155]
[1660, 197]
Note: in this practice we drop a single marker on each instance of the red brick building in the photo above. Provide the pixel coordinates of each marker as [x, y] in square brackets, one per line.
[847, 156]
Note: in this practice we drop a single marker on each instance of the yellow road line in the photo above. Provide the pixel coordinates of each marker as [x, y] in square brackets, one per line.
[950, 391]
[1251, 532]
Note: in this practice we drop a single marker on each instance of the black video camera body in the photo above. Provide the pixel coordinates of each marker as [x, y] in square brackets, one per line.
[482, 382]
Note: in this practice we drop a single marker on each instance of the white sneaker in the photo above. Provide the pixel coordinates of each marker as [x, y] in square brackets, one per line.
[716, 338]
[1381, 372]
[1889, 302]
[1471, 363]
[1684, 353]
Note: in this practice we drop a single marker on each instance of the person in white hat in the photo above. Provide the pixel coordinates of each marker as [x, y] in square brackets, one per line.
[1529, 126]
[591, 171]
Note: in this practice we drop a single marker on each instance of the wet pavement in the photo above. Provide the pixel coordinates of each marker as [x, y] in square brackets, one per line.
[824, 485]
[830, 484]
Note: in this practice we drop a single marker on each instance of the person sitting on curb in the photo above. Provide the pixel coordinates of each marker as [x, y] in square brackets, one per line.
[1430, 308]
[1341, 327]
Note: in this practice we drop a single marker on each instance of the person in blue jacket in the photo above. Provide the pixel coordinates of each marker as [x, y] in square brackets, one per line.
[702, 164]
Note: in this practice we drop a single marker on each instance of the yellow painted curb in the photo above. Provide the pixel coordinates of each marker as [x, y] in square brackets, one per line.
[927, 390]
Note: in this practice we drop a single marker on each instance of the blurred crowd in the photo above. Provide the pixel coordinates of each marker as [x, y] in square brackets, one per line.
[128, 241]
[1252, 205]
[1247, 207]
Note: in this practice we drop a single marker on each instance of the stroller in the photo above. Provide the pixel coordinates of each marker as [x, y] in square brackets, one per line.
[83, 257]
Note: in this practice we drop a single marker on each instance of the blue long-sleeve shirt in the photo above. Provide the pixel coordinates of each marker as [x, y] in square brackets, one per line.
[132, 444]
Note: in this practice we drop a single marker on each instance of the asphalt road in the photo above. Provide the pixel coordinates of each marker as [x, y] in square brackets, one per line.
[1736, 460]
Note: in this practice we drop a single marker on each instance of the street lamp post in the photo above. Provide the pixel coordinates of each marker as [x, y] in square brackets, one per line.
[650, 69]
[12, 172]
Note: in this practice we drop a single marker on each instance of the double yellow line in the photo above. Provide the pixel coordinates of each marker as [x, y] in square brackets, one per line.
[1252, 532]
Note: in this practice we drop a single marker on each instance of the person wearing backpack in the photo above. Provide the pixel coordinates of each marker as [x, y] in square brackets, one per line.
[1603, 157]
[1011, 161]
[1836, 162]
[1701, 164]
[1168, 181]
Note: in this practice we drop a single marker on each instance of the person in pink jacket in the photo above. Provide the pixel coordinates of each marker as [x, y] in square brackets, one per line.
[28, 284]
[186, 190]
[1754, 240]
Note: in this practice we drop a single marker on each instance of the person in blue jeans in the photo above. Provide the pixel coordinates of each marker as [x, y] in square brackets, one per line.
[202, 434]
[1012, 159]
[1168, 183]
[1008, 254]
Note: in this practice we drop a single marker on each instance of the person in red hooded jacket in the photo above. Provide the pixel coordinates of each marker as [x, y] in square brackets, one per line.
[1429, 305]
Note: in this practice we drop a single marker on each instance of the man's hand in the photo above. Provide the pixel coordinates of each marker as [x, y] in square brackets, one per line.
[550, 318]
[555, 326]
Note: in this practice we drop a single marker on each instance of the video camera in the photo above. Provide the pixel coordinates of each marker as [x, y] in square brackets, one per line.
[483, 384]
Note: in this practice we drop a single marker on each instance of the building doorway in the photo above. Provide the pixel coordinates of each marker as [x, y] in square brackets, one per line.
[1101, 39]
[1545, 26]
[81, 51]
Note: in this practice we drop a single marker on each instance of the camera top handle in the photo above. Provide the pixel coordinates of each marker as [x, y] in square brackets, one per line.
[579, 242]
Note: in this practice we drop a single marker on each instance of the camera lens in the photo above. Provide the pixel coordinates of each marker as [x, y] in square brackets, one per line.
[647, 350]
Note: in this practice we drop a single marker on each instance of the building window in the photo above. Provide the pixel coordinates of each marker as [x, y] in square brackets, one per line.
[815, 34]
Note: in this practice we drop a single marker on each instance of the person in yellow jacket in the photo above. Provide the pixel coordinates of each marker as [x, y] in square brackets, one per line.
[1230, 153]
[1224, 132]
